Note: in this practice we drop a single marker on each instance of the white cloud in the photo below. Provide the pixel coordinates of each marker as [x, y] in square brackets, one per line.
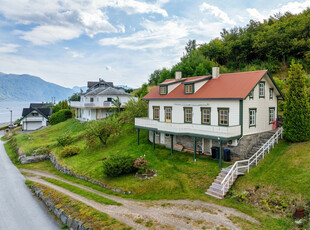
[108, 68]
[156, 35]
[43, 35]
[293, 7]
[217, 12]
[9, 48]
[254, 14]
[68, 19]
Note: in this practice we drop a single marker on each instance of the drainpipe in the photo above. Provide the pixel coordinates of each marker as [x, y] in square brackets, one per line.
[220, 153]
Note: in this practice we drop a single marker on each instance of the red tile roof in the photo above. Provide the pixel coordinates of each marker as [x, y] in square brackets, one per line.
[226, 86]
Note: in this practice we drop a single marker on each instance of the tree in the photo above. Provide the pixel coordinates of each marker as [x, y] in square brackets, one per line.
[75, 97]
[142, 91]
[117, 103]
[154, 77]
[296, 110]
[190, 46]
[102, 130]
[133, 109]
[61, 105]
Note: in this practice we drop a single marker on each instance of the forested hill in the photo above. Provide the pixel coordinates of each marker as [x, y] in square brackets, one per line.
[25, 87]
[271, 45]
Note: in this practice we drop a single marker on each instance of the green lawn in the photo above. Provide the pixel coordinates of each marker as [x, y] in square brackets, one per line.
[178, 175]
[82, 192]
[285, 168]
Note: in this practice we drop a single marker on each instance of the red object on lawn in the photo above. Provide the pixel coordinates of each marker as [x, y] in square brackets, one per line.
[274, 124]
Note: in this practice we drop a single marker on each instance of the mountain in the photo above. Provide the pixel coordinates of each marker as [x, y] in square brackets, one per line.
[78, 89]
[25, 87]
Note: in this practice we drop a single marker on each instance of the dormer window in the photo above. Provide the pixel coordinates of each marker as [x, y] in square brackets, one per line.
[163, 90]
[189, 88]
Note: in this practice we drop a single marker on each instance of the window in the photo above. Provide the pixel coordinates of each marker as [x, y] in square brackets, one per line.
[91, 99]
[168, 114]
[163, 89]
[189, 88]
[252, 117]
[109, 99]
[271, 93]
[188, 114]
[251, 95]
[271, 115]
[262, 90]
[35, 114]
[155, 113]
[223, 116]
[206, 116]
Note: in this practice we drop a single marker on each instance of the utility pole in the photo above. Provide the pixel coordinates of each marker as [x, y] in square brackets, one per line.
[11, 125]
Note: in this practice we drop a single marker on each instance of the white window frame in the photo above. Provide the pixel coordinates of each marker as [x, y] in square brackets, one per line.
[272, 111]
[252, 117]
[262, 90]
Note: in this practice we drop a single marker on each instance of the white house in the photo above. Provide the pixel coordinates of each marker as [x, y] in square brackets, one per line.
[35, 117]
[96, 103]
[232, 109]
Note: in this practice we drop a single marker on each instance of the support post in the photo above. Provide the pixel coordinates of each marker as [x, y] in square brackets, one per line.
[171, 144]
[221, 150]
[153, 140]
[138, 136]
[195, 144]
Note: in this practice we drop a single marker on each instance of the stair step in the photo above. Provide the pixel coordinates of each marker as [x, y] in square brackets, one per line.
[215, 196]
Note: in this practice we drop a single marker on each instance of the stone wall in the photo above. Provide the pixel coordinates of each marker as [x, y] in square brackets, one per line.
[72, 223]
[69, 172]
[245, 144]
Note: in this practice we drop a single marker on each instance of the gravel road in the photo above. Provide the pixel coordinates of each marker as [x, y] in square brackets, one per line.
[19, 210]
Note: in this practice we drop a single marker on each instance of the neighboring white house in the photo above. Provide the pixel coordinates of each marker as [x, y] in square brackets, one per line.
[35, 117]
[96, 103]
[234, 109]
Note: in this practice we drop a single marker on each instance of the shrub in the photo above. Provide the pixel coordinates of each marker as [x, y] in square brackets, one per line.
[133, 109]
[140, 163]
[64, 140]
[69, 151]
[118, 165]
[60, 116]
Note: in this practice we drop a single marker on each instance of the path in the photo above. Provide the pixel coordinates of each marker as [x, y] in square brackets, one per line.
[175, 214]
[18, 208]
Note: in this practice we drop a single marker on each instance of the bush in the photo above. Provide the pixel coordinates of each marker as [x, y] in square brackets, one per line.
[64, 140]
[118, 165]
[69, 151]
[60, 116]
[133, 109]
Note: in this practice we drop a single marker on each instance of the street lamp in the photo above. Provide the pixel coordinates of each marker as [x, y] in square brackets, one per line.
[11, 125]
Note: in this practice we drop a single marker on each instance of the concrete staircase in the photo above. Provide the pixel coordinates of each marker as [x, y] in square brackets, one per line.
[216, 189]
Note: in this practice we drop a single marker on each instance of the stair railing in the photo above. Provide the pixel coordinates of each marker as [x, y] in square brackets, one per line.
[246, 164]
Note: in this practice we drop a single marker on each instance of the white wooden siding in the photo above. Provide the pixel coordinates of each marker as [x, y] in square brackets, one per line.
[178, 111]
[198, 85]
[262, 109]
[173, 86]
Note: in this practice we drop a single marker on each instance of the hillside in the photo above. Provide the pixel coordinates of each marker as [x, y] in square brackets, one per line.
[25, 87]
[271, 44]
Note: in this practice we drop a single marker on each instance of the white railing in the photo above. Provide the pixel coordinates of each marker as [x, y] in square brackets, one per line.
[185, 128]
[245, 165]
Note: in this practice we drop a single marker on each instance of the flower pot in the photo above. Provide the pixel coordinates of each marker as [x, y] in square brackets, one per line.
[299, 213]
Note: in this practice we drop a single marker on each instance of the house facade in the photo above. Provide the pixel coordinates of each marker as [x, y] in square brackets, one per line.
[96, 102]
[36, 116]
[233, 110]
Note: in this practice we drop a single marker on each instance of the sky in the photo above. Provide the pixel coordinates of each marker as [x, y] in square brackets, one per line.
[70, 42]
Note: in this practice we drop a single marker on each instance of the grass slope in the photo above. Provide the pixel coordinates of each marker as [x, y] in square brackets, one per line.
[286, 168]
[82, 192]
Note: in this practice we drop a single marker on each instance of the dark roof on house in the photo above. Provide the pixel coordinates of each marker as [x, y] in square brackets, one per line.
[38, 105]
[46, 112]
[113, 91]
[226, 86]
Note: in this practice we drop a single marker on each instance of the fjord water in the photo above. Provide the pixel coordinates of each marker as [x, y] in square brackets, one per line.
[15, 106]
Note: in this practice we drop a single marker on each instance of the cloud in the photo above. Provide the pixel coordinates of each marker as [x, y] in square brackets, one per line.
[155, 35]
[254, 14]
[293, 7]
[217, 12]
[9, 48]
[108, 68]
[53, 21]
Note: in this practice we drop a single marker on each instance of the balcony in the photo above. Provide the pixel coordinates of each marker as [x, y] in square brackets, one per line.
[189, 129]
[80, 104]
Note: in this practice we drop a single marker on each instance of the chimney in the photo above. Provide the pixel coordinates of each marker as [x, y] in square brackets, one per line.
[215, 72]
[178, 75]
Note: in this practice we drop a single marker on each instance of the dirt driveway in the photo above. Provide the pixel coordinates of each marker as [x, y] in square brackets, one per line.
[167, 214]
